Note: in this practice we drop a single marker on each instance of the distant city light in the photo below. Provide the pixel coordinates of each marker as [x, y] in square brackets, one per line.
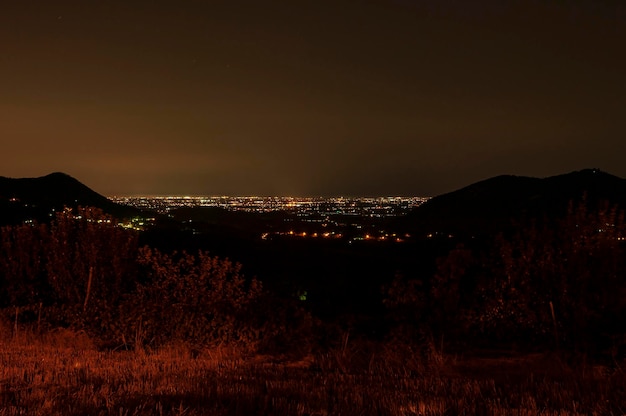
[377, 207]
[318, 216]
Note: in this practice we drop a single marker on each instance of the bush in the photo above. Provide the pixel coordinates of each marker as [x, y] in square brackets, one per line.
[23, 278]
[86, 273]
[195, 298]
[559, 282]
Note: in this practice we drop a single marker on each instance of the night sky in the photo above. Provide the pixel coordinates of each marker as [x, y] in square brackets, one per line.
[394, 97]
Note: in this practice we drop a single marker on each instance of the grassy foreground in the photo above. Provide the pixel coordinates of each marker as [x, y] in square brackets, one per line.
[64, 375]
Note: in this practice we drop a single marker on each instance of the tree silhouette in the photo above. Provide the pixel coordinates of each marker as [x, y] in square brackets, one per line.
[563, 278]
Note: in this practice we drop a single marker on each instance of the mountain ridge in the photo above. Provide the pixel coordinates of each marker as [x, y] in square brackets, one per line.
[494, 204]
[37, 197]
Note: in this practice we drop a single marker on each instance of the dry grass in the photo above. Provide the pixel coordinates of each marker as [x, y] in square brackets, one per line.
[63, 375]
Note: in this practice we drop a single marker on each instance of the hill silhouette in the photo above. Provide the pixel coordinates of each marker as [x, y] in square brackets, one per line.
[494, 205]
[37, 198]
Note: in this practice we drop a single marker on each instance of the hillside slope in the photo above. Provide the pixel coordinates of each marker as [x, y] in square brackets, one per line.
[38, 198]
[490, 206]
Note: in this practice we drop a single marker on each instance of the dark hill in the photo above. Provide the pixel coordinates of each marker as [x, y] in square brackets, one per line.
[36, 198]
[493, 205]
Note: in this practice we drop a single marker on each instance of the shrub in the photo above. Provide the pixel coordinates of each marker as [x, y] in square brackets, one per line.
[23, 279]
[569, 274]
[89, 259]
[196, 298]
[562, 281]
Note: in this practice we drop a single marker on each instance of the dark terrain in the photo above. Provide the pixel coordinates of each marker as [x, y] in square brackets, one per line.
[506, 299]
[340, 280]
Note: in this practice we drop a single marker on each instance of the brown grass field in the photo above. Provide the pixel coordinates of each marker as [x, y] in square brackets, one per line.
[62, 374]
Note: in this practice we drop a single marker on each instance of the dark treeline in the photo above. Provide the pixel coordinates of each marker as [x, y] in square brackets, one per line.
[552, 284]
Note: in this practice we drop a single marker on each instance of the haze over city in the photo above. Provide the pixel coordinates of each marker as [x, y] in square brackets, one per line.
[310, 98]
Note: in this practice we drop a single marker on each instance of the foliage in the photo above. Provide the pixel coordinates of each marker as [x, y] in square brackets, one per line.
[566, 280]
[562, 281]
[407, 306]
[83, 271]
[22, 265]
[53, 263]
[284, 327]
[89, 243]
[201, 299]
